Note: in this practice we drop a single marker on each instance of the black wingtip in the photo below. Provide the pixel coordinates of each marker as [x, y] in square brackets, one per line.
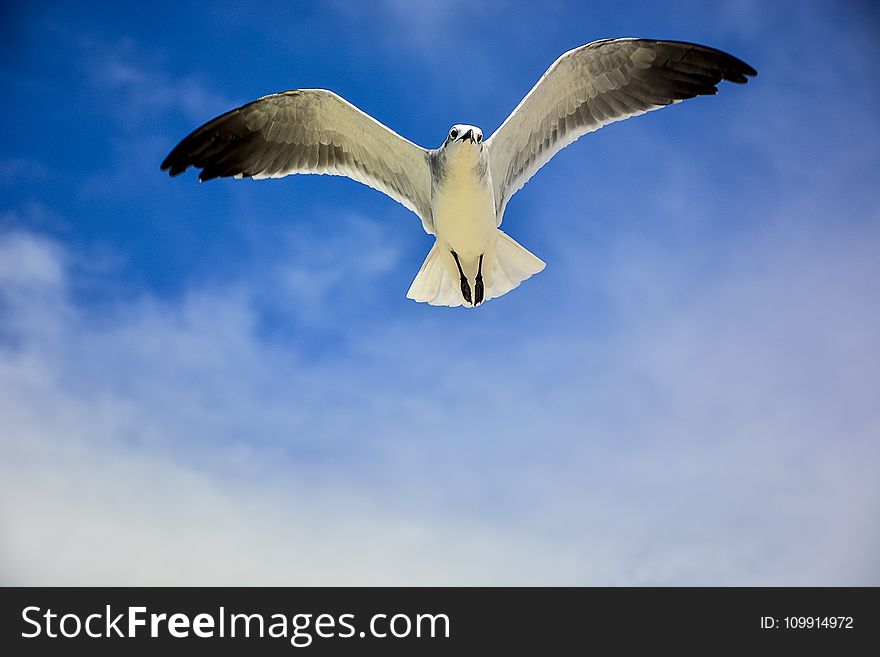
[173, 166]
[742, 75]
[212, 173]
[742, 72]
[168, 161]
[174, 171]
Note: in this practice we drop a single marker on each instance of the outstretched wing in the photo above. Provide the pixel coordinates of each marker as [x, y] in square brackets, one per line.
[592, 86]
[308, 131]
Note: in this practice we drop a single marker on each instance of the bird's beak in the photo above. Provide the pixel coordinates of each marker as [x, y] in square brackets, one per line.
[468, 135]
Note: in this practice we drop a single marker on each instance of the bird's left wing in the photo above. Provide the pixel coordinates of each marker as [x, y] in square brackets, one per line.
[592, 86]
[308, 131]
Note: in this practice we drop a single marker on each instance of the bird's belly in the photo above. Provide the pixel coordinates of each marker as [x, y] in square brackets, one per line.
[464, 216]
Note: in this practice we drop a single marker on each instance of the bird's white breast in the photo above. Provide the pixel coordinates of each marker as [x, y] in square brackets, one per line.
[464, 207]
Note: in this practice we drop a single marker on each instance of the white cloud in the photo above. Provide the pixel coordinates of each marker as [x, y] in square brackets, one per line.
[103, 489]
[726, 437]
[117, 515]
[28, 263]
[134, 83]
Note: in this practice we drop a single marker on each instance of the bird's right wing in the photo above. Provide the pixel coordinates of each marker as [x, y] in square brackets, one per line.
[592, 86]
[308, 131]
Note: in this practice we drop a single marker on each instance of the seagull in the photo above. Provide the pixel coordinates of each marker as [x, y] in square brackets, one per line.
[461, 189]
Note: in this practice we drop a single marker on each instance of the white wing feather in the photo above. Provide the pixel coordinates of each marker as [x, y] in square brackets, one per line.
[308, 131]
[592, 86]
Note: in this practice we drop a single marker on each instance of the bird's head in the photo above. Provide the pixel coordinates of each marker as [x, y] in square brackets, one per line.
[462, 133]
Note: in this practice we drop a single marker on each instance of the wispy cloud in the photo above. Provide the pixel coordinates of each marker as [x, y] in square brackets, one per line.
[705, 441]
[135, 83]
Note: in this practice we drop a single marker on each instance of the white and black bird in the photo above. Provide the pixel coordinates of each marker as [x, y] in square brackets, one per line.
[459, 190]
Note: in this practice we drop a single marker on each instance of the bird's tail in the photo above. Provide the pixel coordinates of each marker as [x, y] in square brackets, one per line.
[511, 265]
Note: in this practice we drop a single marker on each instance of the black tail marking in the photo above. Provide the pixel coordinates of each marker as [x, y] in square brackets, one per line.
[465, 286]
[479, 290]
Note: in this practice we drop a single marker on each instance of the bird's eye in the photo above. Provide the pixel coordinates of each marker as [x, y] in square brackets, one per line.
[479, 138]
[453, 133]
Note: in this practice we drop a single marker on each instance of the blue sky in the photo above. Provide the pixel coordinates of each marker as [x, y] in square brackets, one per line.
[223, 383]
